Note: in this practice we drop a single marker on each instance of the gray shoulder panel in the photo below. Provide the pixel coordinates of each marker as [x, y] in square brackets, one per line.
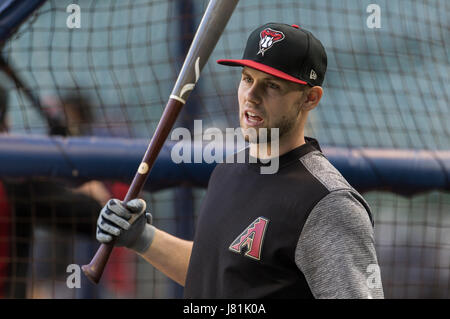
[317, 164]
[327, 174]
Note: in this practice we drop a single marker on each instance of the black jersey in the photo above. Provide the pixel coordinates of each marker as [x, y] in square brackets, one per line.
[248, 229]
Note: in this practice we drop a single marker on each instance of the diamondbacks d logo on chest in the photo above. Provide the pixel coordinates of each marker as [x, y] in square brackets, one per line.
[251, 239]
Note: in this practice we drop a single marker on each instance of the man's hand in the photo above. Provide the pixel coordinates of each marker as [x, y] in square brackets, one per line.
[129, 224]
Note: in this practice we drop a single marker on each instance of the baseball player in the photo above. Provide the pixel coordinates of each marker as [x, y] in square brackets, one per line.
[302, 232]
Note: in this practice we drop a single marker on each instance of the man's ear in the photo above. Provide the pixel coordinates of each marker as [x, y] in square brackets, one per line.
[312, 99]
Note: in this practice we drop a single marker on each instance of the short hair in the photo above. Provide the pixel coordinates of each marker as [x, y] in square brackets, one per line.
[304, 88]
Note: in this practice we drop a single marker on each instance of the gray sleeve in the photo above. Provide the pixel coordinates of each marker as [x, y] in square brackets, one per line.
[336, 250]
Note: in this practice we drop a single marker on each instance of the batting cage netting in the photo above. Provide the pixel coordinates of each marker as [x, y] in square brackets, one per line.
[105, 69]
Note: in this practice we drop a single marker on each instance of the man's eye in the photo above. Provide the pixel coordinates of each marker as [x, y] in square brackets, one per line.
[273, 85]
[247, 79]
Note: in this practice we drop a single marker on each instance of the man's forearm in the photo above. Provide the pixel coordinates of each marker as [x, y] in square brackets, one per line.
[170, 255]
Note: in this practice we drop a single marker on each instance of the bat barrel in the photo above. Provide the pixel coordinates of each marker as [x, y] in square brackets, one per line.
[208, 33]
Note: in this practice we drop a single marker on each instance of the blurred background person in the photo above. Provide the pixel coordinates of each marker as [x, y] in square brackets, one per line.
[37, 209]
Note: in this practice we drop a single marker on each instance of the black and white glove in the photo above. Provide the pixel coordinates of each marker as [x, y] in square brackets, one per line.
[129, 224]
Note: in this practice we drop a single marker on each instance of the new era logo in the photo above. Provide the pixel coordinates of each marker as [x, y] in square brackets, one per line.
[313, 75]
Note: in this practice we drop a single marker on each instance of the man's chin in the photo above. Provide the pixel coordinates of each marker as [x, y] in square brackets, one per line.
[255, 135]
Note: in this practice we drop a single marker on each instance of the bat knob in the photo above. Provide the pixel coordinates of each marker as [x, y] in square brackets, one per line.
[95, 268]
[89, 271]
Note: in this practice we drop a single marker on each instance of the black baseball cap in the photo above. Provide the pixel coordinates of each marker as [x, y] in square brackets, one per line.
[285, 51]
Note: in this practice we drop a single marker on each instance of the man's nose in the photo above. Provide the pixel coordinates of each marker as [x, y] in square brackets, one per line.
[254, 93]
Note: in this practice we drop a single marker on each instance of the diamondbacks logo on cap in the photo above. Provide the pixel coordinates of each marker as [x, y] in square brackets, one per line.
[268, 38]
[251, 238]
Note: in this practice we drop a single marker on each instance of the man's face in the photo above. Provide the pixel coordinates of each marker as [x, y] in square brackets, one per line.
[268, 102]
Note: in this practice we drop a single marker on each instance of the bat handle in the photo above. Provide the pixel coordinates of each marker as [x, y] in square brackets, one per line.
[95, 268]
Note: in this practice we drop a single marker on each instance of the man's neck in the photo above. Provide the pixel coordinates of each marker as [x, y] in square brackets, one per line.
[270, 150]
[284, 144]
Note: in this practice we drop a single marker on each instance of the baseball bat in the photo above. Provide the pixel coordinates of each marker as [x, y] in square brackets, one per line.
[208, 33]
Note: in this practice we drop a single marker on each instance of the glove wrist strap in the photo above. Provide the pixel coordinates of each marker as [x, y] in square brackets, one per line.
[145, 240]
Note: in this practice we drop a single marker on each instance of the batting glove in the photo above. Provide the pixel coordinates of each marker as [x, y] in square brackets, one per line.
[128, 224]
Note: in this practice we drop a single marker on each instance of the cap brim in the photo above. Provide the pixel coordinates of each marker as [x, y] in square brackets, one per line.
[262, 67]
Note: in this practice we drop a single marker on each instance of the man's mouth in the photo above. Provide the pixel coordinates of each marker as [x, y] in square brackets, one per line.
[253, 119]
